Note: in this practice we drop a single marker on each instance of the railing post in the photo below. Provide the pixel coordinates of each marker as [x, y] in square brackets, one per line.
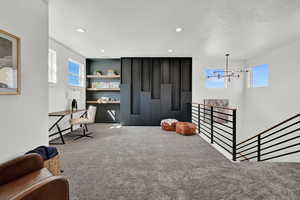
[211, 124]
[234, 135]
[199, 118]
[258, 148]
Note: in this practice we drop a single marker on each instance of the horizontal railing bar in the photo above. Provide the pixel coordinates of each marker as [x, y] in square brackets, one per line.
[279, 124]
[222, 130]
[281, 129]
[247, 153]
[285, 154]
[205, 134]
[205, 130]
[223, 147]
[223, 124]
[225, 108]
[280, 136]
[195, 122]
[205, 118]
[203, 121]
[222, 113]
[278, 143]
[249, 158]
[205, 113]
[194, 115]
[247, 149]
[204, 109]
[283, 148]
[222, 141]
[246, 145]
[243, 156]
[205, 126]
[222, 135]
[227, 120]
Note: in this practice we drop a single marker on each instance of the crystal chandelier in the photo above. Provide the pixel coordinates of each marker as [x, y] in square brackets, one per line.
[227, 74]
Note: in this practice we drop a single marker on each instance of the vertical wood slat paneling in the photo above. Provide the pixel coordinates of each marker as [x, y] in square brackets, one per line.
[155, 92]
[146, 74]
[176, 84]
[126, 71]
[186, 74]
[165, 70]
[136, 85]
[159, 88]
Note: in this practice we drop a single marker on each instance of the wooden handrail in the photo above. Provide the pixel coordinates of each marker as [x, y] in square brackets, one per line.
[225, 108]
[283, 122]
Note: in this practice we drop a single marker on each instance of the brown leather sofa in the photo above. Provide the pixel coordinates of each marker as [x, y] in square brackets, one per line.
[25, 178]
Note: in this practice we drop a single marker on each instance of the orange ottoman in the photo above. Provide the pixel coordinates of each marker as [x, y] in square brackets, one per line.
[185, 128]
[168, 124]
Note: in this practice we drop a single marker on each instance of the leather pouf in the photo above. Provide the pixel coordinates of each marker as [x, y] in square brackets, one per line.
[169, 124]
[185, 128]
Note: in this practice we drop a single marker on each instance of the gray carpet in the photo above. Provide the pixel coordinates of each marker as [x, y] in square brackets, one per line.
[145, 163]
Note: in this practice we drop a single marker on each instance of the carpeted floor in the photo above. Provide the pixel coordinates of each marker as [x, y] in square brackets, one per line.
[145, 163]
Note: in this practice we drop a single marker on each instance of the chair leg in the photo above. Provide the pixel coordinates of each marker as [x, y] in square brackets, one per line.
[84, 130]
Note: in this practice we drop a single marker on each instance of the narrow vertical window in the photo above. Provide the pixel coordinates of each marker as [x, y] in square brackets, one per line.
[260, 76]
[75, 73]
[52, 66]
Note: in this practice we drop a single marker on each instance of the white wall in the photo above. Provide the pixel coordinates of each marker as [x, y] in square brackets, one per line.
[234, 92]
[265, 107]
[23, 118]
[58, 92]
[258, 108]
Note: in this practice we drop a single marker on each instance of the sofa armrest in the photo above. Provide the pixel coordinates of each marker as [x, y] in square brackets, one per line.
[52, 188]
[20, 166]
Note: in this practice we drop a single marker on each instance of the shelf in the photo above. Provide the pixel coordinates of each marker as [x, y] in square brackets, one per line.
[103, 76]
[109, 102]
[103, 89]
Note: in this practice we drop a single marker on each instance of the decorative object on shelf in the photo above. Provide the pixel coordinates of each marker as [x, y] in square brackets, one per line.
[103, 100]
[9, 64]
[111, 72]
[99, 72]
[106, 85]
[228, 74]
[74, 96]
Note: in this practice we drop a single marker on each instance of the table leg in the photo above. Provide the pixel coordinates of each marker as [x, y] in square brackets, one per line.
[61, 135]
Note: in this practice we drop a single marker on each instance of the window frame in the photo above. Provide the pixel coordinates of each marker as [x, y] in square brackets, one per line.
[81, 74]
[52, 67]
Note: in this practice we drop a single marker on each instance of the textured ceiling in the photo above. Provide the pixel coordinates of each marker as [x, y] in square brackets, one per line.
[147, 27]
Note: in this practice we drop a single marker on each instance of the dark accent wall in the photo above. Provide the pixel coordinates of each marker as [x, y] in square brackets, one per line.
[153, 89]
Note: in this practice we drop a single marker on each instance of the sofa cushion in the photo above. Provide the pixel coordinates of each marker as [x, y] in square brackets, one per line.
[11, 189]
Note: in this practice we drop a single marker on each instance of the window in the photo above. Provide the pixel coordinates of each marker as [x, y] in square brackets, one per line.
[52, 68]
[214, 82]
[75, 73]
[260, 76]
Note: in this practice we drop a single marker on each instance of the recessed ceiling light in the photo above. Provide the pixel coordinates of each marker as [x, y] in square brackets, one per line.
[170, 50]
[81, 30]
[102, 50]
[178, 29]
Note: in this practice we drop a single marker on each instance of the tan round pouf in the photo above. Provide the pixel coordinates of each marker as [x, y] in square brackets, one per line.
[185, 128]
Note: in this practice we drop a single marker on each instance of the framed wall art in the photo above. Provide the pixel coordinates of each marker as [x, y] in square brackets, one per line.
[10, 72]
